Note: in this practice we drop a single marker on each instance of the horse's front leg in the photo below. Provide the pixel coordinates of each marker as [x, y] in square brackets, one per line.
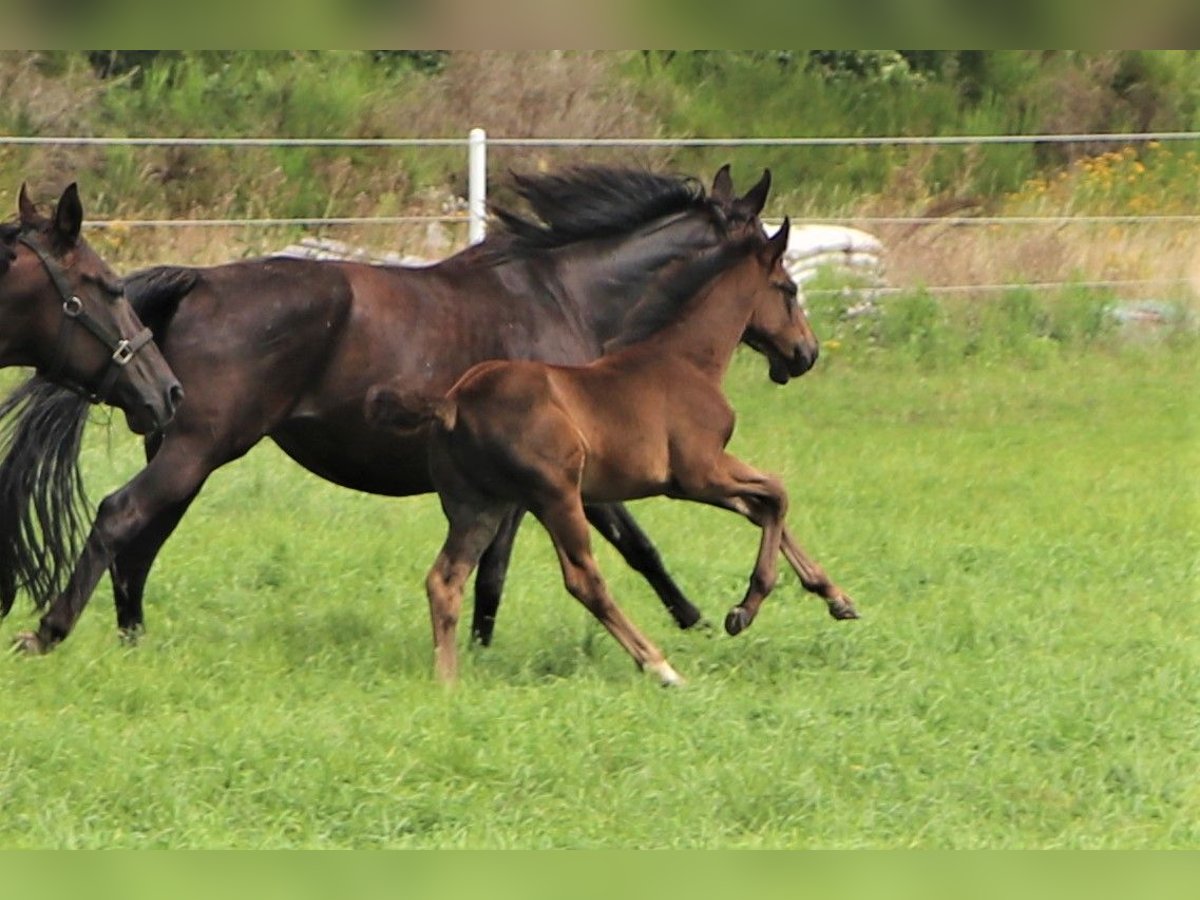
[172, 477]
[618, 527]
[489, 580]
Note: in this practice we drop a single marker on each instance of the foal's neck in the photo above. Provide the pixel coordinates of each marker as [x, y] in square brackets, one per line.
[709, 327]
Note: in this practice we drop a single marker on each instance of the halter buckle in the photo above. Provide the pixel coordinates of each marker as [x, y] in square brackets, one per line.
[72, 307]
[123, 353]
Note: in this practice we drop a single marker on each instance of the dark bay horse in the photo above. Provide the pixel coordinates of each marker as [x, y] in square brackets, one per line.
[646, 419]
[288, 348]
[62, 312]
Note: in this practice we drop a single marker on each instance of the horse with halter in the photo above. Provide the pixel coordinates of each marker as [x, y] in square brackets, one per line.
[287, 349]
[64, 313]
[646, 419]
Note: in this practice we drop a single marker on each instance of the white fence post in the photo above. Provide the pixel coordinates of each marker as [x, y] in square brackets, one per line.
[477, 185]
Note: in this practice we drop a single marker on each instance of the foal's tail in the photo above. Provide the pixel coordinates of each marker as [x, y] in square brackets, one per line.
[389, 406]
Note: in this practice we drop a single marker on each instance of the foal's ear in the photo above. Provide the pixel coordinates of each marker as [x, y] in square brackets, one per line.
[777, 243]
[756, 198]
[68, 215]
[722, 186]
[26, 207]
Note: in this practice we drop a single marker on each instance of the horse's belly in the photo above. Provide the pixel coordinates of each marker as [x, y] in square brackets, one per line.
[366, 461]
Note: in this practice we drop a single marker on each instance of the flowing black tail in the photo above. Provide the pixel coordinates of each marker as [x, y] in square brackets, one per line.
[44, 511]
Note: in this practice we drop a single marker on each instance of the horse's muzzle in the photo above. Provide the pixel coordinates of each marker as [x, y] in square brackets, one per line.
[150, 416]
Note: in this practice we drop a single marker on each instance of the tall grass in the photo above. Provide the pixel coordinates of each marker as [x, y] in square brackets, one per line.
[1022, 540]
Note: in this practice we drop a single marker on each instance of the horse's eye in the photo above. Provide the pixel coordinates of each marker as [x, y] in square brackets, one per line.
[111, 286]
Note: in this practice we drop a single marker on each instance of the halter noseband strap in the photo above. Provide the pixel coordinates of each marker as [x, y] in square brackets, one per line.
[122, 350]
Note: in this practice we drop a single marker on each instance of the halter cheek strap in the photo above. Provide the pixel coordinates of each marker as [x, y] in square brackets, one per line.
[123, 350]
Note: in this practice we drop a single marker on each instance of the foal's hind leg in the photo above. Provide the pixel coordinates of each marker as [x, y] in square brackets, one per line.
[472, 528]
[564, 518]
[617, 526]
[614, 522]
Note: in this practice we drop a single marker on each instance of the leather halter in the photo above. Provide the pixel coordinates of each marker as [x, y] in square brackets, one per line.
[122, 350]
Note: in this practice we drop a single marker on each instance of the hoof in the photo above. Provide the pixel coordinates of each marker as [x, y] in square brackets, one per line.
[666, 675]
[690, 619]
[843, 608]
[130, 637]
[27, 643]
[737, 621]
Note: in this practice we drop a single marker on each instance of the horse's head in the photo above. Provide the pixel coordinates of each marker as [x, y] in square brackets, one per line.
[66, 314]
[778, 328]
[739, 215]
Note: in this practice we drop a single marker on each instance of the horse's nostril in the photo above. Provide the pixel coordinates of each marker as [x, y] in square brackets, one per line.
[174, 397]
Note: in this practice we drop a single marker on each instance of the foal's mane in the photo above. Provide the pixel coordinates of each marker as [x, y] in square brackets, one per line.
[587, 202]
[663, 302]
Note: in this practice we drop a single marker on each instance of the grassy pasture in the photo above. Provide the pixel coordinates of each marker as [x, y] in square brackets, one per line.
[1020, 532]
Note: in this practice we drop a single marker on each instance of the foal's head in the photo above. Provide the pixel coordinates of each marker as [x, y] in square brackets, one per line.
[778, 328]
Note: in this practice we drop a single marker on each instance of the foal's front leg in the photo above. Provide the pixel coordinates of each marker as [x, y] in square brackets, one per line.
[731, 484]
[814, 579]
[750, 493]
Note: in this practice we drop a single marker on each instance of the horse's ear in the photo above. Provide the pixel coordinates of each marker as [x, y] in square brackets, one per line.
[778, 242]
[722, 186]
[68, 215]
[25, 206]
[756, 198]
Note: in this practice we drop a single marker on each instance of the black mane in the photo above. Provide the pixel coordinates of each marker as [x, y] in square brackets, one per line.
[155, 294]
[662, 304]
[588, 202]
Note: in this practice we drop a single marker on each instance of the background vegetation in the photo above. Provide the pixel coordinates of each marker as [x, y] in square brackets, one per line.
[700, 93]
[631, 94]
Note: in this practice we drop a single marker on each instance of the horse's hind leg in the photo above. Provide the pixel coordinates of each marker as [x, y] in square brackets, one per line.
[618, 527]
[565, 520]
[489, 580]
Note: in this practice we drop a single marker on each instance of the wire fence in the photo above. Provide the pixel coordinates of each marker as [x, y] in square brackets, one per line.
[477, 143]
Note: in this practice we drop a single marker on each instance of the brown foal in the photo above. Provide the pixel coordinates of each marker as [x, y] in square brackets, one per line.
[647, 419]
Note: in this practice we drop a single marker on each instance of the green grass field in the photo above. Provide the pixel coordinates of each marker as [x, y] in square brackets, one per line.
[1020, 533]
